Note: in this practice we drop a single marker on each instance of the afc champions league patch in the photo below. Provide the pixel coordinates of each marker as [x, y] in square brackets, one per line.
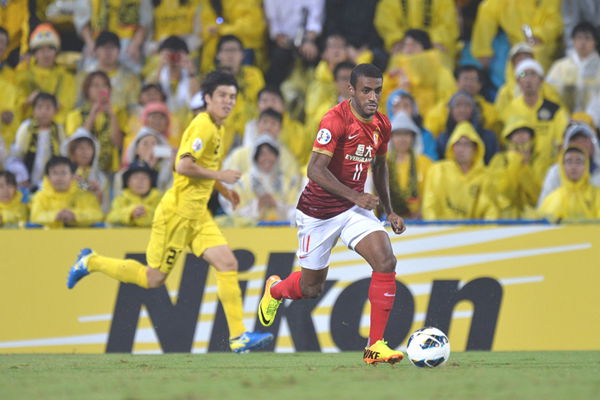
[197, 144]
[324, 136]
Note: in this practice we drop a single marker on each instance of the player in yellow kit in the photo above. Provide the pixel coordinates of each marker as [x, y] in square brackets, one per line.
[182, 218]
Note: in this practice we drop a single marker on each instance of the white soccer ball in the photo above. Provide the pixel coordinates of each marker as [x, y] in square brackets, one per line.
[428, 348]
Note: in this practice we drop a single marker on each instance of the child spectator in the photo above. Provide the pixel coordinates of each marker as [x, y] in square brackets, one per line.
[269, 123]
[463, 107]
[515, 174]
[83, 150]
[266, 192]
[151, 145]
[13, 211]
[38, 139]
[125, 83]
[294, 135]
[407, 167]
[470, 79]
[60, 202]
[581, 135]
[576, 198]
[401, 100]
[453, 188]
[150, 93]
[42, 74]
[136, 204]
[98, 117]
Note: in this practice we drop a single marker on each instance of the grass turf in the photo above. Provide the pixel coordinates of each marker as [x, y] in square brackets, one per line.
[471, 375]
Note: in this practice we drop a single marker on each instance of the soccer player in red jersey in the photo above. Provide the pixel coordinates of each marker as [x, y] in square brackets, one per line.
[352, 136]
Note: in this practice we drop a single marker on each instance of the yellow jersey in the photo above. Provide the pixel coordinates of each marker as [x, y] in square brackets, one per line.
[202, 140]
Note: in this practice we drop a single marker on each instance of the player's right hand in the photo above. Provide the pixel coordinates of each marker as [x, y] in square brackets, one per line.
[230, 176]
[367, 201]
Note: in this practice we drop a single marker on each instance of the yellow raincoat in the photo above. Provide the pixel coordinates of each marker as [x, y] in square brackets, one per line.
[437, 117]
[9, 103]
[548, 120]
[123, 206]
[573, 200]
[14, 212]
[449, 192]
[437, 17]
[510, 90]
[14, 17]
[543, 16]
[56, 81]
[513, 187]
[47, 203]
[244, 19]
[428, 80]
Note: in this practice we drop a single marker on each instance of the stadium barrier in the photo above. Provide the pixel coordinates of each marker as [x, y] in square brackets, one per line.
[491, 287]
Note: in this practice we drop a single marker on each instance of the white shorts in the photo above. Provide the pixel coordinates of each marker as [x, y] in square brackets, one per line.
[317, 237]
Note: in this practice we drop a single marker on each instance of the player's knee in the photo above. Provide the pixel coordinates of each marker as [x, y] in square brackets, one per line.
[388, 264]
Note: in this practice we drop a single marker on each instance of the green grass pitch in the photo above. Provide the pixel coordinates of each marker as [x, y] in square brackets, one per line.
[470, 375]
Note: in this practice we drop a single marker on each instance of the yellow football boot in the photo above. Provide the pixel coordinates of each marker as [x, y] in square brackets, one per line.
[379, 352]
[267, 308]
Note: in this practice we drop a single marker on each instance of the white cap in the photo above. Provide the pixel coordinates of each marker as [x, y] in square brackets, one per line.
[529, 64]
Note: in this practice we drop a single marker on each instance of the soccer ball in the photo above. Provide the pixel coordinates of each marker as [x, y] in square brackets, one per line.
[428, 348]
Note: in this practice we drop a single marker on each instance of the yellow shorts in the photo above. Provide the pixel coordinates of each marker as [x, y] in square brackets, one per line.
[171, 234]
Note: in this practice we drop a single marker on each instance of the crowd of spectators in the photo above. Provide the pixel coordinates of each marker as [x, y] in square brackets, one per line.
[494, 104]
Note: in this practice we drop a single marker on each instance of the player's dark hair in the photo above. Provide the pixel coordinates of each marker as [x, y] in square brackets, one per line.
[107, 37]
[269, 112]
[420, 36]
[229, 38]
[43, 96]
[174, 43]
[59, 160]
[215, 79]
[270, 89]
[9, 176]
[366, 70]
[149, 86]
[273, 149]
[341, 66]
[585, 27]
[470, 68]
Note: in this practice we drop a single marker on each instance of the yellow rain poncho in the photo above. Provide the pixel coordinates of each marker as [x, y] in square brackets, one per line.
[47, 202]
[14, 212]
[578, 200]
[123, 206]
[449, 192]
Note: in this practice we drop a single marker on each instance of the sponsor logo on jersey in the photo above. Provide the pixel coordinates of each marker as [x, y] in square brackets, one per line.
[352, 157]
[324, 136]
[197, 144]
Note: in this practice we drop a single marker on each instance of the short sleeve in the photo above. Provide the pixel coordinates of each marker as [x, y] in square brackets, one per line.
[195, 139]
[386, 134]
[330, 130]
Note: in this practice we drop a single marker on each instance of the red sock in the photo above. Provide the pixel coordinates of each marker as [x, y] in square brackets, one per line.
[289, 288]
[382, 292]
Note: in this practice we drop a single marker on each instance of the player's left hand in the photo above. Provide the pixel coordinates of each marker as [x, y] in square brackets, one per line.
[397, 223]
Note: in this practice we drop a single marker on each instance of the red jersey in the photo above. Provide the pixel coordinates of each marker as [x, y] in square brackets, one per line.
[352, 142]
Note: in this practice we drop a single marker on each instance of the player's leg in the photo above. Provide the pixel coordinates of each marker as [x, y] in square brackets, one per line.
[167, 239]
[316, 238]
[210, 243]
[365, 234]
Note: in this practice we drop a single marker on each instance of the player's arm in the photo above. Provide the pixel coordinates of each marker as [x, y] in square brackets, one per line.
[321, 175]
[381, 182]
[229, 194]
[187, 166]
